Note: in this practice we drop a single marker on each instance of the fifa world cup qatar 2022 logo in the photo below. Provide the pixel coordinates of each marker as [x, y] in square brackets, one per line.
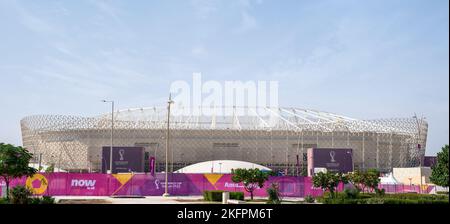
[121, 154]
[333, 163]
[332, 154]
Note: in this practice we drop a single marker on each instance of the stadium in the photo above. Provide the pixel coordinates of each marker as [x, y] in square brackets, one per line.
[278, 139]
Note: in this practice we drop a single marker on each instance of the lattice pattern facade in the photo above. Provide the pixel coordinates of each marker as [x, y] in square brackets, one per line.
[276, 140]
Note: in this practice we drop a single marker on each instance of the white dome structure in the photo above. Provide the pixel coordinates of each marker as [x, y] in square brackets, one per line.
[220, 166]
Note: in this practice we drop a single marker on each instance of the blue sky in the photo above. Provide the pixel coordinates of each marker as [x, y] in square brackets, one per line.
[363, 59]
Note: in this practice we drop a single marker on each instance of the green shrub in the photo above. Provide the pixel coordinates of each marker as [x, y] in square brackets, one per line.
[212, 195]
[48, 200]
[217, 195]
[274, 194]
[309, 199]
[417, 196]
[20, 195]
[380, 192]
[442, 192]
[339, 200]
[406, 198]
[374, 201]
[343, 201]
[396, 201]
[237, 195]
[4, 201]
[42, 200]
[366, 196]
[35, 201]
[351, 193]
[206, 196]
[436, 201]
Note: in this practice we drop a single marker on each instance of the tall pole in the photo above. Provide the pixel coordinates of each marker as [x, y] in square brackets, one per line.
[40, 162]
[166, 186]
[112, 135]
[112, 138]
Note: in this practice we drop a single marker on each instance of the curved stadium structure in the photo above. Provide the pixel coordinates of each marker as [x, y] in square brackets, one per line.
[278, 140]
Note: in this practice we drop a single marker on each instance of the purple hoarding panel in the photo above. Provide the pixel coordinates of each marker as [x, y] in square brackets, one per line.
[429, 161]
[333, 159]
[125, 159]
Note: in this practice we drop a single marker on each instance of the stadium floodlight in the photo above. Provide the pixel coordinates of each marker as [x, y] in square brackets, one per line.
[112, 135]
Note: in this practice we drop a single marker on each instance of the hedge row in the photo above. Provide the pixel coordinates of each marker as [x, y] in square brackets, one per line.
[33, 200]
[217, 195]
[417, 196]
[379, 201]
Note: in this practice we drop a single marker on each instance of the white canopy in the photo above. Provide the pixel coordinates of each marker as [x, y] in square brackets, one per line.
[389, 179]
[219, 166]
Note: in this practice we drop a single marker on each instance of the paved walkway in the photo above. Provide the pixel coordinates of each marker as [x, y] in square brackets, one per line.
[145, 200]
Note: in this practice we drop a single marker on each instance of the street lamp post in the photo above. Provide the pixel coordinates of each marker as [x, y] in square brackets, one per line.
[166, 186]
[112, 134]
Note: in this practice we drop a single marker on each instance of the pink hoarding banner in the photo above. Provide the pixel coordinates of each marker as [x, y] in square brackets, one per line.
[82, 184]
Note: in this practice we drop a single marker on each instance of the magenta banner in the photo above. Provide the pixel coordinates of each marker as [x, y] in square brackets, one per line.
[179, 184]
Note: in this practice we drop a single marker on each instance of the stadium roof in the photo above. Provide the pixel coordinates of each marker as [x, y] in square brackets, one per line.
[228, 118]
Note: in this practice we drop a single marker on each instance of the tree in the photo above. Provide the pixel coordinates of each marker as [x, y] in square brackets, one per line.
[367, 179]
[274, 194]
[251, 178]
[329, 181]
[439, 172]
[14, 163]
[371, 179]
[356, 178]
[50, 169]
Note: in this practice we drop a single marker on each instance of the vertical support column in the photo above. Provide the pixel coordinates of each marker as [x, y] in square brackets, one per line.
[271, 147]
[317, 139]
[332, 139]
[402, 153]
[297, 161]
[303, 151]
[390, 151]
[378, 153]
[256, 147]
[363, 152]
[287, 153]
[348, 138]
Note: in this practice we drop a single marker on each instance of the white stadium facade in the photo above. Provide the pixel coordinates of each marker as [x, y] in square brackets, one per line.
[278, 140]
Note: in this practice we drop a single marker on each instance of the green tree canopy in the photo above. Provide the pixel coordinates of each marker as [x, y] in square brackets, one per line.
[251, 178]
[14, 162]
[365, 179]
[328, 181]
[439, 173]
